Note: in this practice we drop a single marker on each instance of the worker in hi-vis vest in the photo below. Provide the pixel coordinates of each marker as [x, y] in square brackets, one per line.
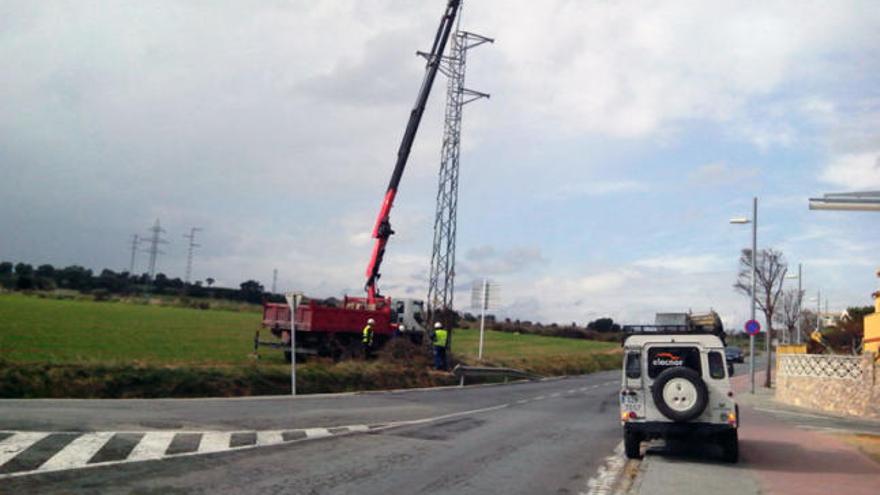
[440, 338]
[367, 340]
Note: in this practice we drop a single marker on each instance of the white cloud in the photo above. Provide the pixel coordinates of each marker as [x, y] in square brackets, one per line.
[855, 171]
[598, 188]
[634, 69]
[685, 264]
[720, 174]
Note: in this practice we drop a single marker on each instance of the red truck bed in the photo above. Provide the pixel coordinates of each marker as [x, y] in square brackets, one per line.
[313, 316]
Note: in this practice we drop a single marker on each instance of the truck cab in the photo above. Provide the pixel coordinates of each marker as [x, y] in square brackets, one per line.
[409, 314]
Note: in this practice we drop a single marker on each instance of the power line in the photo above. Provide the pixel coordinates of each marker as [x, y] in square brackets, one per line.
[155, 239]
[189, 255]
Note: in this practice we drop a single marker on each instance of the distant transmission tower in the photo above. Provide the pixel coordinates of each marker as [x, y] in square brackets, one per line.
[135, 241]
[442, 277]
[155, 239]
[275, 281]
[189, 254]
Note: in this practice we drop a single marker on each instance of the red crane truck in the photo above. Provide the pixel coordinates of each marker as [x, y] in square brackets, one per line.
[335, 329]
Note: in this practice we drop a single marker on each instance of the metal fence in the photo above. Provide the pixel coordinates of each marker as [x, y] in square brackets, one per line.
[856, 368]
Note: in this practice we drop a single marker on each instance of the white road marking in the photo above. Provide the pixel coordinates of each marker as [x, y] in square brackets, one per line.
[583, 389]
[540, 397]
[214, 442]
[269, 437]
[317, 432]
[78, 452]
[608, 474]
[557, 394]
[14, 445]
[152, 446]
[522, 401]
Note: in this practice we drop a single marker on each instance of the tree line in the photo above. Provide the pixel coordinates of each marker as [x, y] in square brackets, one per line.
[24, 277]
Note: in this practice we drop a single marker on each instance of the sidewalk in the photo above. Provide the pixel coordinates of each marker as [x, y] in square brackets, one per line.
[783, 450]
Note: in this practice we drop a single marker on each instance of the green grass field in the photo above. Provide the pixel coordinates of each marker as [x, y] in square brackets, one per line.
[543, 355]
[77, 348]
[66, 331]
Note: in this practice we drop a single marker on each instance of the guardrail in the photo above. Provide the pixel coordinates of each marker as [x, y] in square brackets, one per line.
[484, 371]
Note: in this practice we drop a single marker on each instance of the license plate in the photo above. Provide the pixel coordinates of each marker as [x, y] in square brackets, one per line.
[629, 400]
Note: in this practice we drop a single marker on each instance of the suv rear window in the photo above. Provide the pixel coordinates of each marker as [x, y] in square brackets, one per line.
[661, 358]
[716, 365]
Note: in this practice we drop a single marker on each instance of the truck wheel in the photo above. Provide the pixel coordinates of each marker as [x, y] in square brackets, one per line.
[730, 446]
[680, 394]
[632, 444]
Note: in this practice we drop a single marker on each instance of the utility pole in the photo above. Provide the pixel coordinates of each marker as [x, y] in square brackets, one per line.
[156, 232]
[754, 222]
[189, 254]
[274, 281]
[135, 240]
[441, 281]
[800, 303]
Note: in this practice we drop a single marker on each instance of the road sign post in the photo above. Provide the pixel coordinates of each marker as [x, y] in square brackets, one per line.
[293, 300]
[752, 327]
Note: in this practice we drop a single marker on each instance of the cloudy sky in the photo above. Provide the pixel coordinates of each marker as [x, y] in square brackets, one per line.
[597, 180]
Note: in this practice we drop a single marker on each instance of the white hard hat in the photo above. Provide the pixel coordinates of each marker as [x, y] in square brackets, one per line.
[371, 322]
[401, 327]
[438, 325]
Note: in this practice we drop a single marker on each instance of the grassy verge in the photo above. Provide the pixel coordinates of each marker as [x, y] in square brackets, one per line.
[91, 380]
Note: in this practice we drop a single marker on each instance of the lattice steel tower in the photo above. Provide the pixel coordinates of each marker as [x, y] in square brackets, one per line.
[191, 237]
[441, 284]
[155, 239]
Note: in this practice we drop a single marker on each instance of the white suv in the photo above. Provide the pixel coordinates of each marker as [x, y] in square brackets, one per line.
[675, 383]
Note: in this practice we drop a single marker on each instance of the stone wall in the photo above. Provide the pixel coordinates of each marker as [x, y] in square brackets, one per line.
[838, 384]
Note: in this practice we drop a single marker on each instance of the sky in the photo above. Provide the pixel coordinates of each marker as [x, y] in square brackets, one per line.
[598, 179]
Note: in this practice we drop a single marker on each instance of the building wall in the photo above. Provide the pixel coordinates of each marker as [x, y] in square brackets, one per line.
[838, 384]
[872, 329]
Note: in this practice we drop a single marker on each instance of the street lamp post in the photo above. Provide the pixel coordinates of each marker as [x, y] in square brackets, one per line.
[754, 222]
[800, 301]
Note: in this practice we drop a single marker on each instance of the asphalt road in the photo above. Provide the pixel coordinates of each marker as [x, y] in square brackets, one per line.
[538, 437]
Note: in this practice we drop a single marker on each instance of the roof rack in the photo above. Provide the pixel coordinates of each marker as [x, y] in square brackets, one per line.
[649, 329]
[630, 330]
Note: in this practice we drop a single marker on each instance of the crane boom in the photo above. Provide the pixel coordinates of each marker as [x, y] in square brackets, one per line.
[382, 229]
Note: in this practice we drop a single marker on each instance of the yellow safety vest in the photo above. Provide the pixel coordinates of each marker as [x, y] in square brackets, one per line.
[368, 335]
[440, 337]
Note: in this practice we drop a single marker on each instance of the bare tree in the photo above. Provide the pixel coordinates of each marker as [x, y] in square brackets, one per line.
[770, 271]
[789, 315]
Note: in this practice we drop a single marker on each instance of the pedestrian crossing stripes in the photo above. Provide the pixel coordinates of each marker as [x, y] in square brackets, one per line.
[25, 453]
